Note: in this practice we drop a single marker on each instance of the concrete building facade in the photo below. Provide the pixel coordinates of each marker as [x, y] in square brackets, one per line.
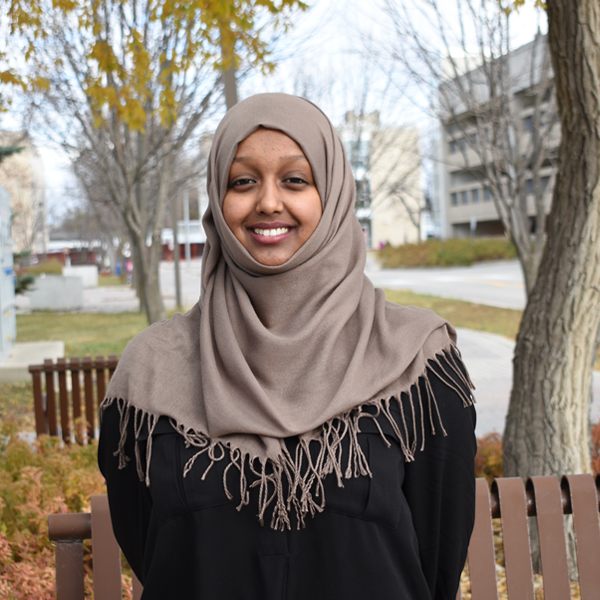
[386, 164]
[462, 191]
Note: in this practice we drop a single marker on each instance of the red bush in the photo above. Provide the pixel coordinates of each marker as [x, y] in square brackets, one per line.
[488, 460]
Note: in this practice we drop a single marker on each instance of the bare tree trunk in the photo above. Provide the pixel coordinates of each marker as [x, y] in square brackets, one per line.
[146, 263]
[547, 427]
[176, 256]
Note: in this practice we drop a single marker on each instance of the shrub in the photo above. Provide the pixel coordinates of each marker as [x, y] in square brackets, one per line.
[35, 482]
[488, 460]
[452, 252]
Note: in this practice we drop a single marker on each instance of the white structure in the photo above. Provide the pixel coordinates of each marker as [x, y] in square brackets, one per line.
[56, 292]
[87, 273]
[463, 202]
[188, 232]
[8, 319]
[386, 165]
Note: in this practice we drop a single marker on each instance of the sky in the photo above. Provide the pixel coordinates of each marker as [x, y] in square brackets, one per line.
[324, 56]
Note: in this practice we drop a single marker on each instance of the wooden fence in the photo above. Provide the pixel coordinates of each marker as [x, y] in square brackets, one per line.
[67, 393]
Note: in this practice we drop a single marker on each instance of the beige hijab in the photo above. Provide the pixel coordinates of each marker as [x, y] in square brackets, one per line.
[298, 349]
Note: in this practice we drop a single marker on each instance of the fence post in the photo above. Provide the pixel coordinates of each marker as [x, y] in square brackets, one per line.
[63, 395]
[38, 402]
[50, 397]
[100, 366]
[88, 383]
[76, 395]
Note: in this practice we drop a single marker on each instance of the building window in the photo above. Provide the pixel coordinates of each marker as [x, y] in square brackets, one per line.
[454, 199]
[528, 123]
[545, 182]
[487, 194]
[475, 196]
[473, 138]
[464, 197]
[462, 144]
[529, 187]
[453, 146]
[363, 194]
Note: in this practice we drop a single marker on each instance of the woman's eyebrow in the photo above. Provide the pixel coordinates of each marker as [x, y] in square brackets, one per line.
[292, 157]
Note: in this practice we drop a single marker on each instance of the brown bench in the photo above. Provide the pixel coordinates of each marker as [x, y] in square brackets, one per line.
[61, 388]
[509, 500]
[69, 531]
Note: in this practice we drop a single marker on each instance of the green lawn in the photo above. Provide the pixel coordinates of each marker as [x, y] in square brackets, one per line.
[480, 317]
[83, 333]
[110, 280]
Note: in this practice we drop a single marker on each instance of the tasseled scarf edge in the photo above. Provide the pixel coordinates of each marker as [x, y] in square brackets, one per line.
[304, 476]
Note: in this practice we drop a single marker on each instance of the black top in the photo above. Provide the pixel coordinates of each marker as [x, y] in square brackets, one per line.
[402, 534]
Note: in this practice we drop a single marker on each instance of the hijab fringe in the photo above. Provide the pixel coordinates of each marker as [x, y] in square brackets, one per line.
[301, 475]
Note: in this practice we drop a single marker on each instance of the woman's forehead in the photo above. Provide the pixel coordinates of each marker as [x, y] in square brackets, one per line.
[268, 140]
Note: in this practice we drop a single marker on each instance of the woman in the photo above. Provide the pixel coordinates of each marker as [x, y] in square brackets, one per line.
[295, 435]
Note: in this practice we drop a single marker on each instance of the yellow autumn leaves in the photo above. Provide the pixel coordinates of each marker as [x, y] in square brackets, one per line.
[133, 57]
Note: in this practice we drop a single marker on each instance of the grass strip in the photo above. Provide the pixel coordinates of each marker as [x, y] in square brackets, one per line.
[94, 334]
[111, 281]
[502, 321]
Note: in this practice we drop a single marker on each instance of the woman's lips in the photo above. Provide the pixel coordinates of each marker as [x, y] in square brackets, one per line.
[270, 234]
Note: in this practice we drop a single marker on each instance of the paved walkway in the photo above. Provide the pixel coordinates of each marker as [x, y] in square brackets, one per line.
[488, 356]
[489, 360]
[495, 283]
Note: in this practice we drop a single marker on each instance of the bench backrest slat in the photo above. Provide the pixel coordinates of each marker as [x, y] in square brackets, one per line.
[481, 548]
[551, 527]
[107, 554]
[515, 534]
[584, 502]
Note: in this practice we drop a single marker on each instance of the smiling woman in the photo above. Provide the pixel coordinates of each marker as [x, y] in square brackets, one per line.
[294, 435]
[272, 205]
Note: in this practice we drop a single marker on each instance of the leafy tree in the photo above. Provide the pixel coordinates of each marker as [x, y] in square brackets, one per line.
[125, 87]
[547, 428]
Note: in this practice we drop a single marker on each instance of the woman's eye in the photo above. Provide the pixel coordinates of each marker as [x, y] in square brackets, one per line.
[241, 182]
[296, 180]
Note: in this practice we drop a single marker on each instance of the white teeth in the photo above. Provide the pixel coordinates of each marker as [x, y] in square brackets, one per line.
[271, 232]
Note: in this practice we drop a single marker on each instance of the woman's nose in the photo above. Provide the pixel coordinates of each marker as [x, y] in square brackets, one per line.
[269, 199]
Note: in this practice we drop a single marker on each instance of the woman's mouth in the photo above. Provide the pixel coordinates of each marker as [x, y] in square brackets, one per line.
[271, 232]
[269, 235]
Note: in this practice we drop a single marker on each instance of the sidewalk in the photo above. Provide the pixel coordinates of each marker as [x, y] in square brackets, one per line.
[489, 360]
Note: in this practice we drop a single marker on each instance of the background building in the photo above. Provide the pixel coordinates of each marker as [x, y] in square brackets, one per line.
[22, 175]
[477, 133]
[8, 319]
[386, 165]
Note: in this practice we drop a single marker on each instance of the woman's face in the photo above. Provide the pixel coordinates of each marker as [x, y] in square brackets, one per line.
[272, 205]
